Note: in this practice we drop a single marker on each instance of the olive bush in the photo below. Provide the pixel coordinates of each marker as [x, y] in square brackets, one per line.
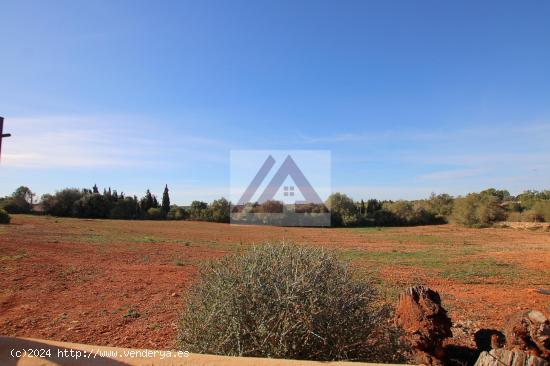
[286, 301]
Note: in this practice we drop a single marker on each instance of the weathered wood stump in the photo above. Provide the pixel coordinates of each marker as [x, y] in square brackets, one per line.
[529, 331]
[504, 357]
[425, 323]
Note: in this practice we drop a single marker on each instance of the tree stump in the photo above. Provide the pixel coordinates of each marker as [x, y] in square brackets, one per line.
[504, 357]
[529, 332]
[425, 323]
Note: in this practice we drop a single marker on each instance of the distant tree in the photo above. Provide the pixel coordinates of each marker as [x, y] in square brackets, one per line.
[270, 206]
[95, 189]
[465, 210]
[19, 202]
[362, 208]
[219, 210]
[165, 202]
[479, 209]
[154, 213]
[528, 199]
[343, 210]
[198, 210]
[441, 204]
[540, 212]
[24, 194]
[124, 209]
[490, 210]
[92, 206]
[412, 213]
[62, 202]
[147, 201]
[176, 213]
[499, 194]
[108, 195]
[373, 205]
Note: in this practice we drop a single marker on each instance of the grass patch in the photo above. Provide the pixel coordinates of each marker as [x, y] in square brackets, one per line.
[132, 313]
[154, 326]
[149, 239]
[416, 238]
[473, 271]
[181, 262]
[14, 257]
[459, 265]
[421, 258]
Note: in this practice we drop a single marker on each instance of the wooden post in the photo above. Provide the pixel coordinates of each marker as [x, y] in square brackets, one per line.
[2, 134]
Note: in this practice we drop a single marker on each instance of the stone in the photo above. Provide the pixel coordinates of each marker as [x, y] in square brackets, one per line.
[528, 331]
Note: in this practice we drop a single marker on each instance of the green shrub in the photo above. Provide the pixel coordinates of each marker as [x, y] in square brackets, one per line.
[176, 213]
[411, 213]
[478, 210]
[20, 202]
[219, 210]
[490, 211]
[198, 211]
[154, 213]
[342, 209]
[464, 210]
[4, 217]
[286, 301]
[541, 211]
[62, 202]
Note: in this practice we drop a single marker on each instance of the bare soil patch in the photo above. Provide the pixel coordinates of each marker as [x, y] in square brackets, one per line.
[121, 283]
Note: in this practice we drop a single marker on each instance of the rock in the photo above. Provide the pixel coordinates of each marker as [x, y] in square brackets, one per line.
[487, 339]
[425, 323]
[528, 331]
[503, 357]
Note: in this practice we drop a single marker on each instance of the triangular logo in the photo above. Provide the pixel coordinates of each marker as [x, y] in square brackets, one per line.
[289, 168]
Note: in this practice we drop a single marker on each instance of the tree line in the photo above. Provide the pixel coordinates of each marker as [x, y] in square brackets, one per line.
[109, 204]
[474, 209]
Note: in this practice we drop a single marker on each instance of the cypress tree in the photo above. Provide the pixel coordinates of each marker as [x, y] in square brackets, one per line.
[149, 202]
[165, 202]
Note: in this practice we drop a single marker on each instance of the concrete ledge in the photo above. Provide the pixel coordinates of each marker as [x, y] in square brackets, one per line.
[12, 353]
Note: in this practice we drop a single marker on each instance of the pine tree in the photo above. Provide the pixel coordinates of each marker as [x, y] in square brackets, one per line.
[165, 202]
[95, 189]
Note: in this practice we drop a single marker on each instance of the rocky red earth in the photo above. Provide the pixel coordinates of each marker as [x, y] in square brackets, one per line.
[122, 283]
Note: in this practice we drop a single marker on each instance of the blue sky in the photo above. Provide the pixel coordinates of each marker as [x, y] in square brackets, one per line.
[410, 96]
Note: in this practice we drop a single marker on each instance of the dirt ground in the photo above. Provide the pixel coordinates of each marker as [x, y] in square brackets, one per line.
[122, 283]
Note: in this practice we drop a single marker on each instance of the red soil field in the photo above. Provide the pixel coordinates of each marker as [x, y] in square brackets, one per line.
[122, 283]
